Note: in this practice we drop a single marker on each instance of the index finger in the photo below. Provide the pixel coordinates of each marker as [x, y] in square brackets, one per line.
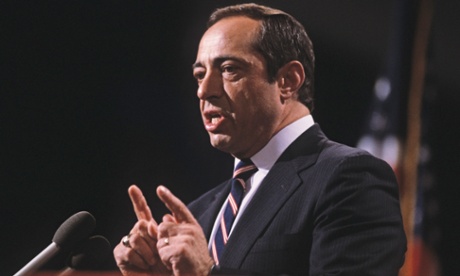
[175, 205]
[140, 206]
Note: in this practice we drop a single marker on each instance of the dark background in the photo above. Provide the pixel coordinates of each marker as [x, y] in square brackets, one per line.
[97, 95]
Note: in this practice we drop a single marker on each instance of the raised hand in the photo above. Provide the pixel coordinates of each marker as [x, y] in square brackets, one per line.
[181, 244]
[137, 253]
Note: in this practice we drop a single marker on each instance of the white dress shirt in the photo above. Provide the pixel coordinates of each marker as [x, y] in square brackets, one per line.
[264, 160]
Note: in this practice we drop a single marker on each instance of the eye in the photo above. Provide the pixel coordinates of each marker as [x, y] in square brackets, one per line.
[229, 69]
[199, 74]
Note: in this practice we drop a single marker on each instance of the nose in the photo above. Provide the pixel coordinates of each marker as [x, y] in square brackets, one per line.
[210, 86]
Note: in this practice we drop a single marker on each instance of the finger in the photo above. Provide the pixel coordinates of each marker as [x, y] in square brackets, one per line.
[144, 247]
[144, 232]
[165, 254]
[129, 258]
[152, 229]
[140, 241]
[169, 218]
[162, 242]
[140, 205]
[168, 230]
[175, 205]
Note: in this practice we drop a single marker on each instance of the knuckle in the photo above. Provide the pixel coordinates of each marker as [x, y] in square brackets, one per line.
[162, 228]
[164, 258]
[130, 254]
[142, 225]
[134, 240]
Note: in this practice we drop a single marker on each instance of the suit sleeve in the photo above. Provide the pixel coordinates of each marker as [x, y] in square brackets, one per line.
[358, 225]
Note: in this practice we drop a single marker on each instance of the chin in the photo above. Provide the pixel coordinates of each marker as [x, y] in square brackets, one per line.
[220, 141]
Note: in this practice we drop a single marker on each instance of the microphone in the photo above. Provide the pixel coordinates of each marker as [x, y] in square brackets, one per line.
[74, 229]
[90, 255]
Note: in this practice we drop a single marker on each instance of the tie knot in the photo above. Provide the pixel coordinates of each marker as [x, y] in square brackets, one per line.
[244, 169]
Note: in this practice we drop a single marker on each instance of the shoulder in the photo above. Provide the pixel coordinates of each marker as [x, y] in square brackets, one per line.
[314, 147]
[343, 156]
[342, 168]
[327, 152]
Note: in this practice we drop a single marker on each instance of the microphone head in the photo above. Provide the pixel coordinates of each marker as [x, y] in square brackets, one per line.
[91, 254]
[76, 228]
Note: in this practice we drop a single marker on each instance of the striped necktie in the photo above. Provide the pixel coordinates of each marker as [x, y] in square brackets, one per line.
[243, 171]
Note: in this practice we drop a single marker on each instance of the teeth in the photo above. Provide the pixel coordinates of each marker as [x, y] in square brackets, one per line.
[214, 120]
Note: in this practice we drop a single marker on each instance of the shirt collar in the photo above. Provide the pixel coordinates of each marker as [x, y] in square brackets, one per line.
[267, 156]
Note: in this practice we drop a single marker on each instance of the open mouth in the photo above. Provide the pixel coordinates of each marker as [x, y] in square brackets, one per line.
[214, 118]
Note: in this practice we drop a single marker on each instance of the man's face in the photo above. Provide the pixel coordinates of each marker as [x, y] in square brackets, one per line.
[240, 108]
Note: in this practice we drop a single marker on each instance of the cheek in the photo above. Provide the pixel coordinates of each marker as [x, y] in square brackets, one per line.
[259, 111]
[265, 98]
[267, 106]
[235, 89]
[251, 98]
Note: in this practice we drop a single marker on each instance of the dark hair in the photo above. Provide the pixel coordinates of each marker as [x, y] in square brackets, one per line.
[281, 39]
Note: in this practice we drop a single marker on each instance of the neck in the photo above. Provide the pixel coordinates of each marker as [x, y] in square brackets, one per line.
[291, 113]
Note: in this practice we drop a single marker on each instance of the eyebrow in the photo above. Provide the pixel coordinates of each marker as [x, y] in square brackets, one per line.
[196, 65]
[219, 60]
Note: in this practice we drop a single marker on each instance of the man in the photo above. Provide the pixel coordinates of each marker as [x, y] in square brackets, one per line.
[313, 206]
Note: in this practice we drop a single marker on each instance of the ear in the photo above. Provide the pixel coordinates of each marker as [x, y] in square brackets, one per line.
[290, 78]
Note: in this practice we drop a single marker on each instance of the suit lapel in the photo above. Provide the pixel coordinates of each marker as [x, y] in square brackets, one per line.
[274, 191]
[207, 218]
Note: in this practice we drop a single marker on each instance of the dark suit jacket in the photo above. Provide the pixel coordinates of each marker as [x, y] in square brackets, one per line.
[323, 209]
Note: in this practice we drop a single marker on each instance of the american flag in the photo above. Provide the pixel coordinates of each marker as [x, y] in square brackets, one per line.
[399, 133]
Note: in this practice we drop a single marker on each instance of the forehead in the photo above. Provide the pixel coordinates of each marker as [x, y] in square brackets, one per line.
[229, 36]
